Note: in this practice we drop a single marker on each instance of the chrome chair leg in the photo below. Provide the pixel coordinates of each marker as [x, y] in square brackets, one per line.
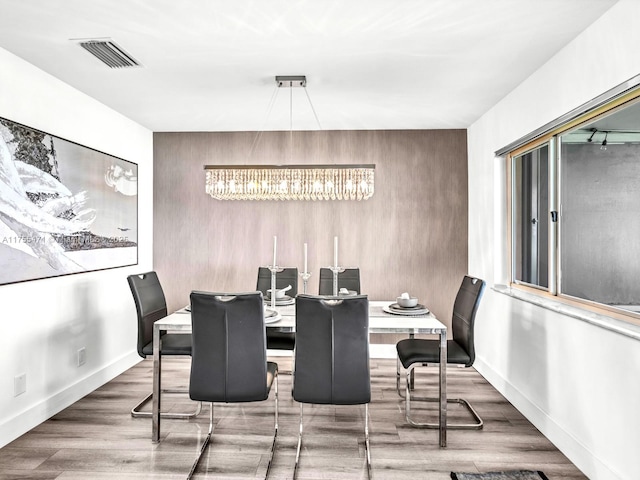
[400, 392]
[275, 428]
[210, 433]
[398, 377]
[367, 445]
[477, 425]
[137, 413]
[204, 445]
[295, 468]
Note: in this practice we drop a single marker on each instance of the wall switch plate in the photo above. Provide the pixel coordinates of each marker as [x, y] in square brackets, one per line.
[19, 384]
[82, 356]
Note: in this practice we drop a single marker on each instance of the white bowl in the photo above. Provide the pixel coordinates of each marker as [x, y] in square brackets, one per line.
[279, 293]
[347, 293]
[407, 302]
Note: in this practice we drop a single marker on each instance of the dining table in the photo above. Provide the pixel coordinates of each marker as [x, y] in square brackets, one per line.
[284, 320]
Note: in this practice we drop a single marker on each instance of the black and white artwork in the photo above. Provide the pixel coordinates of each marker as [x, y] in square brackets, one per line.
[64, 208]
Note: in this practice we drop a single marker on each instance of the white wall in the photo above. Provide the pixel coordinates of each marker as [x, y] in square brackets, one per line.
[45, 322]
[578, 383]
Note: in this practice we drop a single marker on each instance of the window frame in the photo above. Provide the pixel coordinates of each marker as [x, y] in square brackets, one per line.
[552, 137]
[549, 141]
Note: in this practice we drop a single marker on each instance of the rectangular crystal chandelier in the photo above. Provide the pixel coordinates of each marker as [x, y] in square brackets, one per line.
[290, 182]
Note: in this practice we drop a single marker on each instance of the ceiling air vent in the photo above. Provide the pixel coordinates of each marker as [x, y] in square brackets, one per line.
[109, 53]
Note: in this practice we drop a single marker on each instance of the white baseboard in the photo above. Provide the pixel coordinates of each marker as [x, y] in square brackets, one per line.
[570, 446]
[48, 407]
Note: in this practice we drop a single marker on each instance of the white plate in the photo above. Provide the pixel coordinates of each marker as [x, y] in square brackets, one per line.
[271, 316]
[405, 311]
[398, 308]
[287, 300]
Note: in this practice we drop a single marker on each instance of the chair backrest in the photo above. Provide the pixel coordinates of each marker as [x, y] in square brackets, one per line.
[228, 347]
[464, 314]
[151, 305]
[349, 279]
[332, 350]
[288, 276]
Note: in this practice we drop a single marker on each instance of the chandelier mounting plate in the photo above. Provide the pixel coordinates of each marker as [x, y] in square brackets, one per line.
[291, 80]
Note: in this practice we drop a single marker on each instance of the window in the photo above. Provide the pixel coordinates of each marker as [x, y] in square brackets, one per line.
[530, 217]
[575, 209]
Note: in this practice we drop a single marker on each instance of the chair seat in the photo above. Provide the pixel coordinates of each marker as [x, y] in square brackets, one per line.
[281, 340]
[172, 344]
[272, 370]
[414, 350]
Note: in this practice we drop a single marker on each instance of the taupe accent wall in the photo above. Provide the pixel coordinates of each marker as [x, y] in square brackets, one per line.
[410, 236]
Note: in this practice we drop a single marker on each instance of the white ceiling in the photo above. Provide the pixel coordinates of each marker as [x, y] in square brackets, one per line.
[209, 65]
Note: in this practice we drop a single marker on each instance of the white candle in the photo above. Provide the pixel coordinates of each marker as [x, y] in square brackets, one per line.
[335, 251]
[275, 245]
[305, 258]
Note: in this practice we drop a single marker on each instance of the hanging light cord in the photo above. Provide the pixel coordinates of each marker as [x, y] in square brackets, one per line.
[272, 101]
[312, 108]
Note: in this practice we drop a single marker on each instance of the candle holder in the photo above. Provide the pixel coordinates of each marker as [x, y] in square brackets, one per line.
[305, 278]
[335, 271]
[274, 269]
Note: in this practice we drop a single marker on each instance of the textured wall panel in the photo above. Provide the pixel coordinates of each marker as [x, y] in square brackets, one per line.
[410, 236]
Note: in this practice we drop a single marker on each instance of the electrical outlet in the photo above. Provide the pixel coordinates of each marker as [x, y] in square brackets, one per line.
[19, 384]
[82, 356]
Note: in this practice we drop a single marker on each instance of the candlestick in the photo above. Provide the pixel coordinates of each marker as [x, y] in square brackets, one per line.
[273, 281]
[305, 258]
[305, 279]
[275, 246]
[335, 251]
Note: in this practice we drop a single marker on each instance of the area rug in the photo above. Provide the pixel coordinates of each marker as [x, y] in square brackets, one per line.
[510, 475]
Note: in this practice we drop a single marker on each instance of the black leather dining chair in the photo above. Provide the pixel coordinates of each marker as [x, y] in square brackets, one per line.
[229, 355]
[460, 351]
[288, 276]
[332, 356]
[151, 306]
[349, 279]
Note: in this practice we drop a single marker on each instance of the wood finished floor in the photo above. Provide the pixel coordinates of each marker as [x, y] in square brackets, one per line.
[96, 438]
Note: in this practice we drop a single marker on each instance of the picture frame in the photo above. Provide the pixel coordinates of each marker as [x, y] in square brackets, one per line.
[64, 208]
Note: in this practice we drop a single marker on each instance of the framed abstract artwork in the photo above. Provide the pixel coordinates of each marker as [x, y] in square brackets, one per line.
[64, 208]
